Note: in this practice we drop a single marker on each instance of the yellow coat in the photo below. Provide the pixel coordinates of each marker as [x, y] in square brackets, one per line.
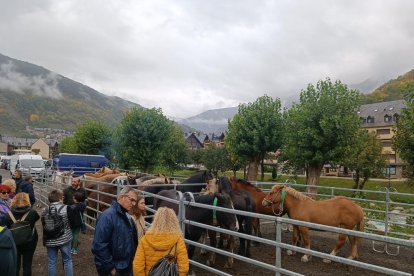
[153, 247]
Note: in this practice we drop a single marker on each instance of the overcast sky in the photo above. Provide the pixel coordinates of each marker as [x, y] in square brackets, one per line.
[190, 56]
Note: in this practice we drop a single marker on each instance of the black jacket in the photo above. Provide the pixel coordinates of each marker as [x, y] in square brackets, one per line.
[68, 195]
[26, 187]
[77, 211]
[32, 217]
[8, 253]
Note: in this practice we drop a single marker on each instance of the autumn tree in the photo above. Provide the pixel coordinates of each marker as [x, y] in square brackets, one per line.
[93, 137]
[255, 130]
[142, 138]
[320, 127]
[364, 158]
[404, 135]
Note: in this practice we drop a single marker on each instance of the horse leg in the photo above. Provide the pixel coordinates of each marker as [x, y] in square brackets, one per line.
[230, 245]
[295, 240]
[213, 243]
[354, 250]
[339, 243]
[203, 251]
[256, 230]
[304, 232]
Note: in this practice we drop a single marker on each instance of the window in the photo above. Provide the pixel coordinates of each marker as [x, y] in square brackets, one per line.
[363, 120]
[395, 117]
[387, 118]
[383, 131]
[370, 119]
[386, 144]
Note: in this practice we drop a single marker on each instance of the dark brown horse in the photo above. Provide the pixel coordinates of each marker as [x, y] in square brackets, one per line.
[338, 211]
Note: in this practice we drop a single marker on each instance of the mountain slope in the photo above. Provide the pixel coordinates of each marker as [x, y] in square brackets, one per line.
[32, 95]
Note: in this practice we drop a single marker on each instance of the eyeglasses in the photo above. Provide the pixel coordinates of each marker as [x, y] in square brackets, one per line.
[133, 200]
[5, 193]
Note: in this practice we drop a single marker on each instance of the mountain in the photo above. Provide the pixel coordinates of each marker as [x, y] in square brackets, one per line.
[33, 96]
[211, 121]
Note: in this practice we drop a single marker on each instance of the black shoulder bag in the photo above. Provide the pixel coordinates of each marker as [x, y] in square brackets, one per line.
[166, 266]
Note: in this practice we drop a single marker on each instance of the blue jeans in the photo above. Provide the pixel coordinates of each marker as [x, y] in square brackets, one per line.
[52, 254]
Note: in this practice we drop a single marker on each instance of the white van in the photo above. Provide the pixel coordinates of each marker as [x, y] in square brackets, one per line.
[27, 163]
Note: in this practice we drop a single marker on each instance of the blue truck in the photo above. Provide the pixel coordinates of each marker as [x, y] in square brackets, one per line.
[79, 163]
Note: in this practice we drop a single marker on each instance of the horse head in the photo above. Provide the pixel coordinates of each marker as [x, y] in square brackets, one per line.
[226, 220]
[276, 196]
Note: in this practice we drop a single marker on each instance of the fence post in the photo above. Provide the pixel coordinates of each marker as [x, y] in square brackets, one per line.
[181, 212]
[278, 249]
[387, 206]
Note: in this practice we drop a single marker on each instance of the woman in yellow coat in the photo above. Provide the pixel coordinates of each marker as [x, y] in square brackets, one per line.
[162, 235]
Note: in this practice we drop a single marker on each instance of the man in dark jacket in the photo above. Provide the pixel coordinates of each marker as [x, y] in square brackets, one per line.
[115, 240]
[8, 253]
[26, 186]
[71, 190]
[18, 177]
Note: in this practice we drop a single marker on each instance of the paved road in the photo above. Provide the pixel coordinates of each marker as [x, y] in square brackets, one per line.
[5, 174]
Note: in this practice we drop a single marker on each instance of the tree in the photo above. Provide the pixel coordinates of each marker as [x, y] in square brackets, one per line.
[93, 138]
[216, 159]
[255, 130]
[176, 152]
[365, 158]
[68, 145]
[404, 135]
[142, 138]
[196, 156]
[320, 127]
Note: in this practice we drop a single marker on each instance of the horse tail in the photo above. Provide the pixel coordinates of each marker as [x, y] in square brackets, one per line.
[361, 225]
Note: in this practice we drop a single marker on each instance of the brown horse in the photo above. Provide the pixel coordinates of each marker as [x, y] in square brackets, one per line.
[338, 211]
[238, 184]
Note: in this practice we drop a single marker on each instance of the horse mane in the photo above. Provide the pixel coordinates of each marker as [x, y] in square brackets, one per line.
[247, 183]
[296, 194]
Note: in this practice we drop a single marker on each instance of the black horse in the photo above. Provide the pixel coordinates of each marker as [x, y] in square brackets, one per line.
[201, 215]
[242, 201]
[199, 178]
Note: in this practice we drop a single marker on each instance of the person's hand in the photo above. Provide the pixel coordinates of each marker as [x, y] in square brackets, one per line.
[113, 271]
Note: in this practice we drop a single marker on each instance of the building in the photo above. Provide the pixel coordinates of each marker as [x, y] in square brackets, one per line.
[197, 140]
[380, 118]
[47, 148]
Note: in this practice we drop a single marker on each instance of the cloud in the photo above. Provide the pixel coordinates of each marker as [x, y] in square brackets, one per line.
[190, 56]
[45, 86]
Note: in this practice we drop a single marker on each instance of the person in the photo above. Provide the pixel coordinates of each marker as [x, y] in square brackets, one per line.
[76, 222]
[4, 203]
[137, 213]
[18, 177]
[19, 206]
[115, 239]
[26, 186]
[62, 243]
[8, 253]
[163, 234]
[76, 186]
[12, 184]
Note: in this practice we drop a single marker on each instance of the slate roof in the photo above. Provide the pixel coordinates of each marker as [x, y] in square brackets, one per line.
[380, 114]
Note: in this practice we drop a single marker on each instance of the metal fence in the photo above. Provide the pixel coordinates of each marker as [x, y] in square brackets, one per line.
[43, 186]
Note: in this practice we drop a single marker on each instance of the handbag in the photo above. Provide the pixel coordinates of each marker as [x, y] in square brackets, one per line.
[166, 266]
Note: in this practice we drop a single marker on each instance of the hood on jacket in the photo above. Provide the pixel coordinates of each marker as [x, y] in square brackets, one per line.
[161, 241]
[21, 210]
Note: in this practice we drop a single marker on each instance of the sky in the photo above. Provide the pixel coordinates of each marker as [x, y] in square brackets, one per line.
[187, 57]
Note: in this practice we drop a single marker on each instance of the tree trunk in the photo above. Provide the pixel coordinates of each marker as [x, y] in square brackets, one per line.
[312, 179]
[253, 168]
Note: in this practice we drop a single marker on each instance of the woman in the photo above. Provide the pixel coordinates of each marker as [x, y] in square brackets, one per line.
[137, 213]
[163, 234]
[19, 206]
[4, 203]
[12, 184]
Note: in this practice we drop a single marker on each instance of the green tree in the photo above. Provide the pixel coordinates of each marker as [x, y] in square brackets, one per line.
[176, 152]
[196, 156]
[320, 127]
[404, 135]
[68, 145]
[255, 130]
[365, 158]
[142, 138]
[216, 159]
[93, 138]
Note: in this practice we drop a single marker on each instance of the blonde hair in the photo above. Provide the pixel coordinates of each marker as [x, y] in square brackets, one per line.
[11, 183]
[20, 200]
[165, 220]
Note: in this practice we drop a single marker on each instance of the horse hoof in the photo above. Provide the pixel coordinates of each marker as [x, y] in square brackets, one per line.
[304, 259]
[290, 252]
[326, 261]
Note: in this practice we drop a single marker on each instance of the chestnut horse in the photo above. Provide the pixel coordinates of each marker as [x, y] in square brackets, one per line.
[338, 211]
[239, 184]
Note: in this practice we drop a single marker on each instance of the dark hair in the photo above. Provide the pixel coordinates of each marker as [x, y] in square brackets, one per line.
[29, 177]
[55, 196]
[78, 196]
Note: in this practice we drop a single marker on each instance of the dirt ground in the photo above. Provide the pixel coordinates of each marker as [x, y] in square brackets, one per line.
[321, 241]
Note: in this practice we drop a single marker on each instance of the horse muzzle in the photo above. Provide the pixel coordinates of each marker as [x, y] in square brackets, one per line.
[266, 202]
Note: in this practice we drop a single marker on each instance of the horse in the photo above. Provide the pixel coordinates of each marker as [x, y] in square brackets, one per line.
[61, 180]
[201, 215]
[238, 184]
[243, 201]
[201, 177]
[338, 211]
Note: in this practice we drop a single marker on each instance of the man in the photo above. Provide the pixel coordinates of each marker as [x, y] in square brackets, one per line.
[115, 240]
[60, 242]
[18, 177]
[8, 252]
[26, 186]
[70, 191]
